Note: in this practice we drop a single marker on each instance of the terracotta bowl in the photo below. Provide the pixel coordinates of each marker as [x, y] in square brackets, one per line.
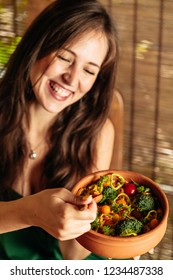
[125, 247]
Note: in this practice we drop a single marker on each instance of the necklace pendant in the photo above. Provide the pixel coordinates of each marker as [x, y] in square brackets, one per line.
[32, 155]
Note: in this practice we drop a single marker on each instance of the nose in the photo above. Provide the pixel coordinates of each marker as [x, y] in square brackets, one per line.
[71, 76]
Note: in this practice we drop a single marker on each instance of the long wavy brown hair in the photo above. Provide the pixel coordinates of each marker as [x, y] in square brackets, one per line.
[73, 135]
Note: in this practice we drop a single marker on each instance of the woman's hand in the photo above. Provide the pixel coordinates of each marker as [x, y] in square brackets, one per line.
[58, 212]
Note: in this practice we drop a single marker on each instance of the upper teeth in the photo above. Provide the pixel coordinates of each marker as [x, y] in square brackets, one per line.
[59, 91]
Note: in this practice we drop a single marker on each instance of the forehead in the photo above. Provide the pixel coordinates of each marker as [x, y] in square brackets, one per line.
[90, 45]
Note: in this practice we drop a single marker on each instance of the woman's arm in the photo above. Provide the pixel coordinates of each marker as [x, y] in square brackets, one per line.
[54, 210]
[105, 146]
[12, 215]
[72, 250]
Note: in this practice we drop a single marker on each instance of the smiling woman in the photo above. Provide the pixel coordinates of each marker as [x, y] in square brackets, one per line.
[55, 99]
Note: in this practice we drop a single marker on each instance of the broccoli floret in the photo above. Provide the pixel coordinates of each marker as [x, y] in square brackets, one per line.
[142, 189]
[107, 230]
[128, 227]
[144, 202]
[108, 194]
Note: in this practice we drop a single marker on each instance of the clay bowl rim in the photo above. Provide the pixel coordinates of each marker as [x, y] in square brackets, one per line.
[95, 175]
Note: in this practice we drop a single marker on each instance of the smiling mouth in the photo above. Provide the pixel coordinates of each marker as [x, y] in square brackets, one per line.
[59, 91]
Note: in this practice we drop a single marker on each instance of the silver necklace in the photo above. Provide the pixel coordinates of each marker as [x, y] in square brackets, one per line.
[32, 154]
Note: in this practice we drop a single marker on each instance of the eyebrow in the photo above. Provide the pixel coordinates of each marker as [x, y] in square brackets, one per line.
[91, 63]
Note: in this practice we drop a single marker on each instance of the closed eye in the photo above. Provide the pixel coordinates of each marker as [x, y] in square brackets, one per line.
[64, 58]
[89, 72]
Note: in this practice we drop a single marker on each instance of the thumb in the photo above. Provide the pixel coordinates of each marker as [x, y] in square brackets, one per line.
[69, 197]
[86, 203]
[85, 200]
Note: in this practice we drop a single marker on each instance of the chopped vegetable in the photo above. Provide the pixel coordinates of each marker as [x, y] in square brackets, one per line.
[144, 202]
[108, 194]
[128, 227]
[130, 189]
[105, 209]
[153, 223]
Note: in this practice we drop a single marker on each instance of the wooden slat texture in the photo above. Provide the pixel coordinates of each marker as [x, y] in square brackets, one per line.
[145, 77]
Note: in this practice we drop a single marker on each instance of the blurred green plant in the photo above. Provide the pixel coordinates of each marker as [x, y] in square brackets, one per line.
[7, 48]
[7, 42]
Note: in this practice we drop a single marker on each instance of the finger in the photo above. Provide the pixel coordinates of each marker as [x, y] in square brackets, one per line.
[72, 202]
[77, 230]
[69, 197]
[87, 213]
[78, 200]
[93, 206]
[136, 257]
[81, 230]
[151, 251]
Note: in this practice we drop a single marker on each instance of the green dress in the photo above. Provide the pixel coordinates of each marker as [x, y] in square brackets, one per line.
[31, 243]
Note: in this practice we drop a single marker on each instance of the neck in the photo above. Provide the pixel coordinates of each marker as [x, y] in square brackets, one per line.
[36, 125]
[38, 118]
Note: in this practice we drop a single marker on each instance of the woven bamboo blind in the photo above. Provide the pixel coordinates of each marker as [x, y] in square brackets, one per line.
[12, 24]
[145, 78]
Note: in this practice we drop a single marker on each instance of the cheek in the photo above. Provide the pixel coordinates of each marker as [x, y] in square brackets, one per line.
[87, 85]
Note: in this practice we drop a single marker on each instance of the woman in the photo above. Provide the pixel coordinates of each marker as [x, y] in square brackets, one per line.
[54, 129]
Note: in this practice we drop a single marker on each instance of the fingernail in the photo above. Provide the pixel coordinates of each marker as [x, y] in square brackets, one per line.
[85, 197]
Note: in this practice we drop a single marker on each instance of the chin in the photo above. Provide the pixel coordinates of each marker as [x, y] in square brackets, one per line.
[54, 109]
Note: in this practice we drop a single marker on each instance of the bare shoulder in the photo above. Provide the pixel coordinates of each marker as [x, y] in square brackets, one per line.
[105, 145]
[108, 128]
